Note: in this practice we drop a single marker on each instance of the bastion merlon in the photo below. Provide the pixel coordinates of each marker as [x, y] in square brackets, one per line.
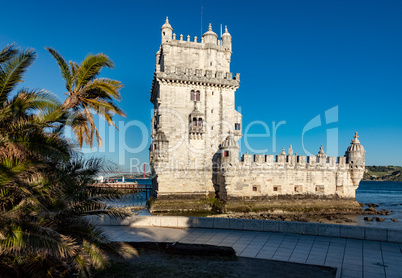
[195, 131]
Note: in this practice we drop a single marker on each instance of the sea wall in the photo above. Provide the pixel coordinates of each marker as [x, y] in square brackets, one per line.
[305, 228]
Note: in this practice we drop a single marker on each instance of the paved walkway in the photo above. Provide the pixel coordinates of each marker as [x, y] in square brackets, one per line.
[355, 258]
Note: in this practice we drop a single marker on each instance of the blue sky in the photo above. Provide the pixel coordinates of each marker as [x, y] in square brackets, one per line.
[297, 60]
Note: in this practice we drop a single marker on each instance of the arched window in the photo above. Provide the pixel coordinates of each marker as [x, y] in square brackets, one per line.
[194, 121]
[198, 96]
[200, 122]
[192, 95]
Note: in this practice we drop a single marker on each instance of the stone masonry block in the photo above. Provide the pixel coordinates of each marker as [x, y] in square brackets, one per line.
[253, 224]
[309, 228]
[394, 235]
[169, 221]
[221, 223]
[371, 233]
[236, 224]
[140, 221]
[205, 222]
[352, 232]
[329, 230]
[290, 227]
[271, 226]
[183, 222]
[156, 221]
[192, 222]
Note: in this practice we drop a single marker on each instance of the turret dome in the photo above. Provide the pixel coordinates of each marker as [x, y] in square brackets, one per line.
[160, 136]
[226, 34]
[210, 36]
[355, 145]
[166, 25]
[229, 142]
[321, 153]
[166, 31]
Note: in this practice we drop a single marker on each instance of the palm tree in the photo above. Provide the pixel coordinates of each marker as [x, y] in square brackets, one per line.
[43, 184]
[87, 94]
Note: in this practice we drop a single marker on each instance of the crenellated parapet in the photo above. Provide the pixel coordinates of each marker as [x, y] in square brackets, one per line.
[289, 161]
[194, 76]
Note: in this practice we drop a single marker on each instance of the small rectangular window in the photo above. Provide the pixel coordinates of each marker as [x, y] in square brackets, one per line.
[254, 188]
[275, 188]
[226, 154]
[237, 126]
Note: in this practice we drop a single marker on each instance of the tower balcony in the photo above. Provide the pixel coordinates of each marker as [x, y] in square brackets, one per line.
[197, 129]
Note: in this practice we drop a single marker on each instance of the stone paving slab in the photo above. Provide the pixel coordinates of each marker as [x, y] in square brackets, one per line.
[353, 257]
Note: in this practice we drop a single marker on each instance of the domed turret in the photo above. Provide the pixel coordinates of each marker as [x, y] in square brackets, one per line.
[229, 143]
[355, 157]
[355, 153]
[229, 150]
[210, 36]
[355, 145]
[227, 40]
[159, 147]
[160, 136]
[167, 31]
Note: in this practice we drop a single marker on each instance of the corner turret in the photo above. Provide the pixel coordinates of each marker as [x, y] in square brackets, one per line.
[229, 151]
[159, 147]
[355, 157]
[226, 40]
[210, 37]
[166, 31]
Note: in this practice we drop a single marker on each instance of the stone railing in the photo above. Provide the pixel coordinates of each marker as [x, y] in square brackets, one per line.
[305, 228]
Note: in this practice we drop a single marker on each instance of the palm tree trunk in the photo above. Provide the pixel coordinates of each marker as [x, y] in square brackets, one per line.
[70, 102]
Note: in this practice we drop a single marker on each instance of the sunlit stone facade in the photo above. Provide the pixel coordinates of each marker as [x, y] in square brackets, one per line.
[195, 131]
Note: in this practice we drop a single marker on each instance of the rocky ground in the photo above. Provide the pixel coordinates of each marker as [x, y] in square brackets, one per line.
[372, 211]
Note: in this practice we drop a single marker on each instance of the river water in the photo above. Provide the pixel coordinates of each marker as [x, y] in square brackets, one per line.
[388, 195]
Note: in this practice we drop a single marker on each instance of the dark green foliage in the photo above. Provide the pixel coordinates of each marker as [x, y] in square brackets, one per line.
[44, 191]
[383, 173]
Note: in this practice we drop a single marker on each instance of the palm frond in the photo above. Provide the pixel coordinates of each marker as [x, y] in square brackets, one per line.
[90, 68]
[109, 87]
[66, 71]
[13, 72]
[7, 53]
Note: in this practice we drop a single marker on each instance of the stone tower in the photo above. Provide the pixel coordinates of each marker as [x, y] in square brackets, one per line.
[355, 157]
[193, 93]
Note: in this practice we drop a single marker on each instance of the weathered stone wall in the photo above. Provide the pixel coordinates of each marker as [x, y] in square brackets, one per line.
[184, 66]
[262, 176]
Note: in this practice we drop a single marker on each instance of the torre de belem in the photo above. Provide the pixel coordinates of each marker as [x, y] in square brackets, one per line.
[196, 129]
